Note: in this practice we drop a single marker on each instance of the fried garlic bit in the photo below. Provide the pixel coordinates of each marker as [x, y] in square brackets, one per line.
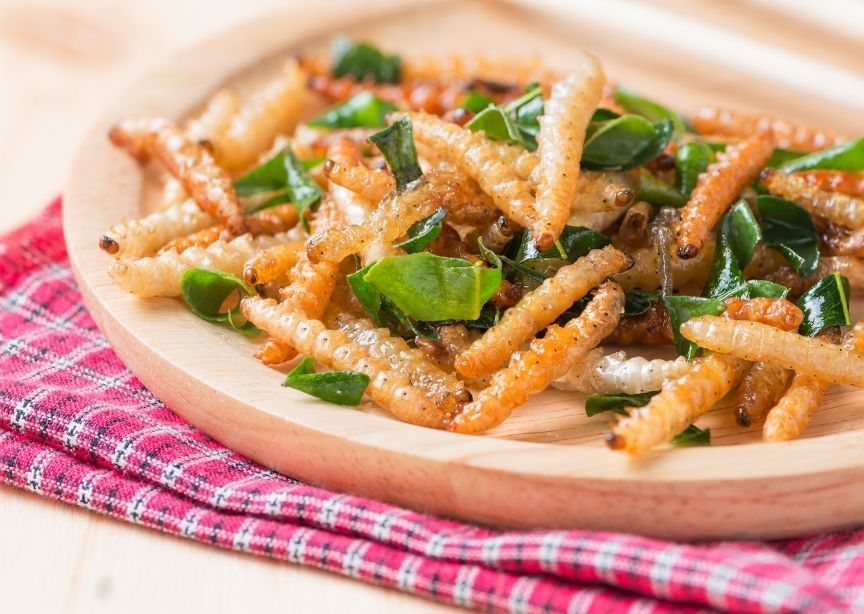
[266, 222]
[789, 418]
[760, 389]
[718, 187]
[649, 328]
[160, 275]
[776, 312]
[538, 309]
[485, 161]
[388, 222]
[142, 237]
[839, 208]
[389, 387]
[678, 404]
[531, 371]
[445, 389]
[838, 240]
[208, 184]
[559, 145]
[273, 110]
[756, 341]
[788, 135]
[645, 272]
[616, 372]
[845, 182]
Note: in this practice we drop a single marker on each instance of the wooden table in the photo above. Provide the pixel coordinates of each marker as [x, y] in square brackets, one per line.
[60, 64]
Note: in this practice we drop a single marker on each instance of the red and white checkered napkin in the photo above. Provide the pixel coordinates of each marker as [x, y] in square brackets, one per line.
[77, 426]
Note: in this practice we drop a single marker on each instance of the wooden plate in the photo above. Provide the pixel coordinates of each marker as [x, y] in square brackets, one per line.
[547, 465]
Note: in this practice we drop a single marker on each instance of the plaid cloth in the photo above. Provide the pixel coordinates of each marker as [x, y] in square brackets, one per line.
[77, 426]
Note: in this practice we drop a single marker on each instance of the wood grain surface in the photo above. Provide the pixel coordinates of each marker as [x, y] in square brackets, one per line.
[65, 63]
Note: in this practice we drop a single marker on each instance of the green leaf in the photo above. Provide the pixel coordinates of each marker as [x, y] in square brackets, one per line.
[575, 241]
[363, 61]
[365, 110]
[681, 308]
[789, 229]
[618, 403]
[692, 436]
[691, 159]
[366, 293]
[339, 387]
[396, 143]
[657, 192]
[650, 110]
[637, 302]
[755, 288]
[846, 157]
[489, 316]
[517, 122]
[476, 102]
[624, 142]
[825, 304]
[739, 234]
[431, 288]
[423, 232]
[496, 125]
[782, 156]
[206, 292]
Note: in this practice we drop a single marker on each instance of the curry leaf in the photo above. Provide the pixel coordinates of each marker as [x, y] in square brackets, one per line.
[624, 142]
[650, 110]
[681, 308]
[206, 292]
[575, 241]
[739, 234]
[691, 159]
[618, 403]
[365, 110]
[637, 302]
[339, 387]
[396, 143]
[692, 436]
[496, 125]
[846, 157]
[781, 156]
[789, 228]
[825, 304]
[517, 122]
[362, 61]
[431, 288]
[657, 192]
[423, 232]
[476, 102]
[366, 293]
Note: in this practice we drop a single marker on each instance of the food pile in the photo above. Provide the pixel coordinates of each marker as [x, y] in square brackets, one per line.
[450, 236]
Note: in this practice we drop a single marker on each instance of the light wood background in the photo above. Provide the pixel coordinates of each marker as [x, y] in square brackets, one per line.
[60, 65]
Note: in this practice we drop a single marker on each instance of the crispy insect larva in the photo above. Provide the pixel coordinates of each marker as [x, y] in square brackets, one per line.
[388, 387]
[160, 275]
[649, 328]
[725, 123]
[482, 160]
[498, 234]
[538, 309]
[142, 237]
[452, 339]
[267, 222]
[644, 274]
[618, 373]
[270, 264]
[389, 221]
[271, 111]
[839, 208]
[845, 182]
[776, 312]
[633, 230]
[216, 117]
[760, 389]
[448, 393]
[547, 359]
[840, 241]
[718, 187]
[678, 404]
[599, 220]
[756, 341]
[172, 193]
[208, 184]
[274, 352]
[371, 184]
[559, 145]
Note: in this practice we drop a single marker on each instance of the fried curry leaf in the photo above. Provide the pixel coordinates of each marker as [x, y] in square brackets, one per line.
[657, 192]
[825, 304]
[650, 110]
[789, 229]
[624, 142]
[365, 110]
[496, 125]
[691, 160]
[432, 288]
[396, 143]
[363, 61]
[206, 293]
[574, 242]
[339, 387]
[681, 308]
[846, 157]
[423, 232]
[637, 302]
[476, 101]
[692, 436]
[739, 234]
[618, 403]
[516, 122]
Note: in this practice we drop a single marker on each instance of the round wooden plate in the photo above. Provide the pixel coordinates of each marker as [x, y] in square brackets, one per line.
[547, 465]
